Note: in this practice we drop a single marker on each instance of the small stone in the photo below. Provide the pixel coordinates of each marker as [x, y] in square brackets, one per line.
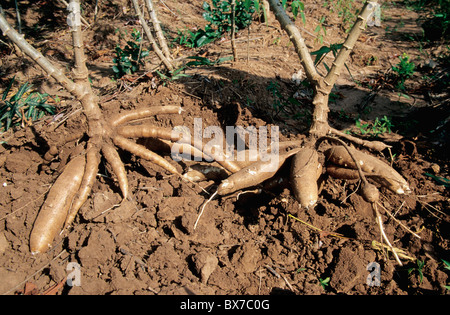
[436, 168]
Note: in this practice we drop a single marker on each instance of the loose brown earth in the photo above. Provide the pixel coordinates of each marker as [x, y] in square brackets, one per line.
[148, 245]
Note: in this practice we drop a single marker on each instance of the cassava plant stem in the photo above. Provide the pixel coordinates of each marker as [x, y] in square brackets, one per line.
[150, 36]
[81, 73]
[82, 18]
[233, 31]
[320, 125]
[348, 45]
[158, 30]
[296, 38]
[322, 86]
[82, 92]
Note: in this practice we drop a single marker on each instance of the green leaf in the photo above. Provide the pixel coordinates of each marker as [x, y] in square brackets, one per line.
[22, 90]
[447, 264]
[322, 50]
[440, 180]
[302, 14]
[204, 40]
[162, 75]
[8, 123]
[8, 88]
[297, 7]
[320, 54]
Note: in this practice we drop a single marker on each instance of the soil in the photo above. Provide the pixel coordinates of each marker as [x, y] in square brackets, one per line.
[250, 243]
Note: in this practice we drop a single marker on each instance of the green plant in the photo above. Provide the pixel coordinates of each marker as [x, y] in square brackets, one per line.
[345, 10]
[199, 38]
[324, 282]
[278, 101]
[23, 106]
[177, 74]
[129, 59]
[323, 51]
[320, 30]
[447, 267]
[378, 127]
[280, 104]
[184, 38]
[297, 8]
[440, 181]
[172, 75]
[447, 264]
[404, 70]
[202, 61]
[219, 14]
[418, 270]
[300, 270]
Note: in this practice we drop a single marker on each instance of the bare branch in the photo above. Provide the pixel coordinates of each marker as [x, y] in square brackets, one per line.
[158, 30]
[80, 69]
[82, 18]
[322, 86]
[233, 31]
[149, 34]
[348, 45]
[298, 41]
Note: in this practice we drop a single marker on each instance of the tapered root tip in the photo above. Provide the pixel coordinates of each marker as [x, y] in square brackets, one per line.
[308, 205]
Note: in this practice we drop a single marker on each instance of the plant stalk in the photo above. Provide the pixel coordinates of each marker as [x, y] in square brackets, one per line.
[158, 30]
[322, 86]
[296, 38]
[233, 30]
[150, 36]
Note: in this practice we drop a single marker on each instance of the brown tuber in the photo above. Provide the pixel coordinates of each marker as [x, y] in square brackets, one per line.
[371, 166]
[54, 211]
[253, 174]
[305, 171]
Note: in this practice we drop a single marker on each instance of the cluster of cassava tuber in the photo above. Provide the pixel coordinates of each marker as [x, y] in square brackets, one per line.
[73, 186]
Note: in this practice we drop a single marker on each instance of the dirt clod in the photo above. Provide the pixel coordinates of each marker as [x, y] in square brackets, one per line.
[205, 263]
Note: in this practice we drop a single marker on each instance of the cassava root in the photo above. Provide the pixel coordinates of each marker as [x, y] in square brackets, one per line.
[253, 174]
[54, 211]
[305, 171]
[342, 165]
